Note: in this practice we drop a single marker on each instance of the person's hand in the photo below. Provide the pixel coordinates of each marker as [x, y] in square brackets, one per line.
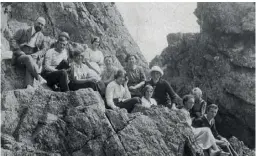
[126, 80]
[115, 108]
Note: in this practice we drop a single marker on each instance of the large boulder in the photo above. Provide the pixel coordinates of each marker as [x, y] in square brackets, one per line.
[219, 60]
[42, 122]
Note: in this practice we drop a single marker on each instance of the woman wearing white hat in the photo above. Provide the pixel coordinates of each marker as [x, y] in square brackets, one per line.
[163, 92]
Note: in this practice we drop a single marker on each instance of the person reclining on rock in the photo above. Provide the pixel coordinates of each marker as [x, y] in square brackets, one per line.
[203, 135]
[109, 71]
[207, 120]
[56, 59]
[32, 41]
[118, 94]
[93, 57]
[20, 59]
[199, 108]
[136, 76]
[163, 92]
[147, 100]
[82, 76]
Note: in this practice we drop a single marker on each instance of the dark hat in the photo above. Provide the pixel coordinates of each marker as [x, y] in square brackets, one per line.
[130, 55]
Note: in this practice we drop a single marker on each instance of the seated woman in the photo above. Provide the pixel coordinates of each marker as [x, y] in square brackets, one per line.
[136, 76]
[93, 57]
[54, 58]
[199, 108]
[110, 70]
[82, 76]
[118, 94]
[203, 136]
[146, 100]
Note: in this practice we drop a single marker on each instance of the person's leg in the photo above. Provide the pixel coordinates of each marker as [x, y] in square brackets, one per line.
[29, 79]
[129, 103]
[57, 77]
[88, 84]
[31, 68]
[101, 87]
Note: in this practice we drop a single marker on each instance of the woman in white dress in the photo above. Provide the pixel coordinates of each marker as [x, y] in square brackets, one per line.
[146, 100]
[93, 57]
[203, 136]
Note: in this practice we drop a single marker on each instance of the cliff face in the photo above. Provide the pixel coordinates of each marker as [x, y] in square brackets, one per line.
[80, 20]
[220, 60]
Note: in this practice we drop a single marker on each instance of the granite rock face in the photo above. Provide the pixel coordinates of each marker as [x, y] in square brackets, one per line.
[81, 20]
[37, 121]
[220, 60]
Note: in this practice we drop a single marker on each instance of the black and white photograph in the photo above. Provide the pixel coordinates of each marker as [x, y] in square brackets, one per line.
[127, 78]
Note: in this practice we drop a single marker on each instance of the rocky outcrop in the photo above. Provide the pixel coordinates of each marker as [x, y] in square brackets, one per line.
[81, 20]
[37, 121]
[220, 60]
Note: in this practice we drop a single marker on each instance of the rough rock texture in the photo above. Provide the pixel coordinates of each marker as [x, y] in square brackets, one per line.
[37, 121]
[220, 60]
[81, 20]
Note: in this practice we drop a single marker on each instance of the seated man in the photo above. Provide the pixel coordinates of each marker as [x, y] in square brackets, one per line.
[163, 92]
[207, 120]
[22, 60]
[199, 108]
[55, 63]
[32, 41]
[118, 94]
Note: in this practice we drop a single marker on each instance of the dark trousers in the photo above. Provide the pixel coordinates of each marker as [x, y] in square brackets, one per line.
[59, 78]
[96, 86]
[127, 104]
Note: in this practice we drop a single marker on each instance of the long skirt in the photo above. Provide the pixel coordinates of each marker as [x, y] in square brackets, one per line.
[204, 137]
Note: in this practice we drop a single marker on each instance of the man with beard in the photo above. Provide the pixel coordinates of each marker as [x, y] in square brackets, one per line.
[32, 47]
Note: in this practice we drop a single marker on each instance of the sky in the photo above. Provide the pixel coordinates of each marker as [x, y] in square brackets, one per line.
[150, 23]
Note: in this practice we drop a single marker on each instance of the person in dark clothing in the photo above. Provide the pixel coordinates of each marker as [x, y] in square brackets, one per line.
[163, 92]
[207, 120]
[55, 61]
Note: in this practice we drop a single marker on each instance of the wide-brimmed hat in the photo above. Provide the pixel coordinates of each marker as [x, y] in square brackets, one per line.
[64, 34]
[157, 69]
[41, 20]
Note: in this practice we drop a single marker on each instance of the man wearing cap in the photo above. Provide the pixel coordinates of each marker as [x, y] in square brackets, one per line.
[163, 92]
[56, 63]
[31, 41]
[31, 45]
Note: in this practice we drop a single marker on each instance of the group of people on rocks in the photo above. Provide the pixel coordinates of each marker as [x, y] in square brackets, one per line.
[75, 68]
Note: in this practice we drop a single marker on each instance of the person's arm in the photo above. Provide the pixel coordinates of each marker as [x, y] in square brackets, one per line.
[127, 94]
[109, 96]
[174, 96]
[215, 132]
[47, 63]
[101, 62]
[17, 36]
[203, 108]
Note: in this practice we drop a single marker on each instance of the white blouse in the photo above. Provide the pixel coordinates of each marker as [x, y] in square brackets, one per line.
[95, 58]
[83, 72]
[148, 103]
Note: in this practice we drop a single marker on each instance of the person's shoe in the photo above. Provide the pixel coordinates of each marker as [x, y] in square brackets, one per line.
[29, 87]
[41, 80]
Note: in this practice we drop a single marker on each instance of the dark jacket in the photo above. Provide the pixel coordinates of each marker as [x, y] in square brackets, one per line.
[203, 122]
[163, 92]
